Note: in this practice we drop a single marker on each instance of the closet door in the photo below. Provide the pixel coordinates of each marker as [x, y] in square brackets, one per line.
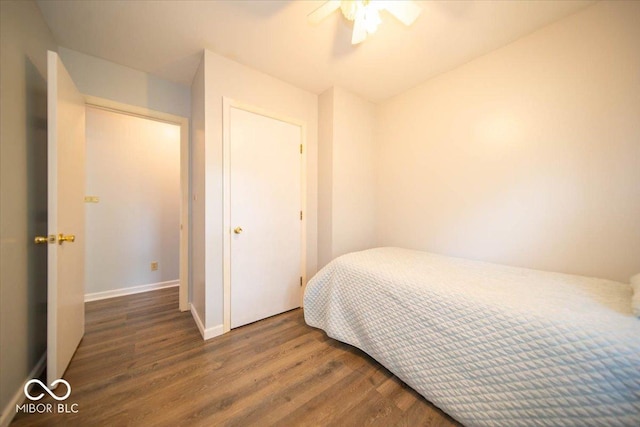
[266, 225]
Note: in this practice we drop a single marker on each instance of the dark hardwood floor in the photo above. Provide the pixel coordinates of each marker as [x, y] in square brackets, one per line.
[143, 363]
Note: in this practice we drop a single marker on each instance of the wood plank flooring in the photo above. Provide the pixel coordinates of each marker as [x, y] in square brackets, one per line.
[143, 363]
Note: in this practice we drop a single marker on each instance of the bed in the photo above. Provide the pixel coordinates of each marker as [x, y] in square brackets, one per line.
[490, 345]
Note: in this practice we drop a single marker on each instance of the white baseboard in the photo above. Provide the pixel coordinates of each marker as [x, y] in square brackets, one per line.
[129, 291]
[207, 334]
[10, 410]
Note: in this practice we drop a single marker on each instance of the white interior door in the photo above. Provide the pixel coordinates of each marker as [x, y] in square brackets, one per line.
[66, 175]
[265, 201]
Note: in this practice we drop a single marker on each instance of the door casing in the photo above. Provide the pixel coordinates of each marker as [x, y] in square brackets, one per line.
[227, 104]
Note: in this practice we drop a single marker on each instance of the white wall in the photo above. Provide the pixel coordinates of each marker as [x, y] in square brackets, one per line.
[346, 174]
[105, 79]
[24, 40]
[198, 270]
[226, 78]
[527, 156]
[133, 166]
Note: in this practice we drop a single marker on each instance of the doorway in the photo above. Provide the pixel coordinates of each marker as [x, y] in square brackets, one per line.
[264, 218]
[66, 108]
[137, 203]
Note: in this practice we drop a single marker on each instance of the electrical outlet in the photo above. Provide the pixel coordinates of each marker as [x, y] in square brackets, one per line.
[154, 265]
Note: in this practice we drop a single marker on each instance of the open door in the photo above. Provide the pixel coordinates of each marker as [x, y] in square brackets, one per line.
[66, 177]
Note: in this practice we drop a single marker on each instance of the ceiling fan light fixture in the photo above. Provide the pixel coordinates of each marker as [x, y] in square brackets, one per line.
[349, 9]
[370, 18]
[365, 11]
[365, 14]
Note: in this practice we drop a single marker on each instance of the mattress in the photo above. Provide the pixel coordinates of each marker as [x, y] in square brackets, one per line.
[490, 345]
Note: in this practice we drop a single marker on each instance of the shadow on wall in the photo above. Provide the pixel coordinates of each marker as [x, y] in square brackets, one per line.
[175, 67]
[165, 96]
[36, 179]
[104, 79]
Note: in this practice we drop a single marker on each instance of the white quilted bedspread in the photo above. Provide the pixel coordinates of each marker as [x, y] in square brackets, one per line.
[489, 344]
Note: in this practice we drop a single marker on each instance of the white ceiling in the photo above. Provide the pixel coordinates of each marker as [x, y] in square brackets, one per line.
[166, 38]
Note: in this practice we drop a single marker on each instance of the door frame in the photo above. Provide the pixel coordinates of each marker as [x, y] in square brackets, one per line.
[227, 104]
[185, 181]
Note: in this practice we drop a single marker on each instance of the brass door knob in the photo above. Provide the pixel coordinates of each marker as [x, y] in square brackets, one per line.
[39, 240]
[237, 230]
[66, 238]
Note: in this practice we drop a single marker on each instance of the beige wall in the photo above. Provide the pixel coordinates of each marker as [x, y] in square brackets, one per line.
[133, 166]
[527, 156]
[24, 40]
[353, 173]
[346, 174]
[226, 78]
[325, 177]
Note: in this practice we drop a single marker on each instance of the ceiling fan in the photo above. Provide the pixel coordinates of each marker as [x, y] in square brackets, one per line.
[365, 14]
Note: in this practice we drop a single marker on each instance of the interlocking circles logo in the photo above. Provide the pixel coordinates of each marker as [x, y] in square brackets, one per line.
[47, 408]
[47, 389]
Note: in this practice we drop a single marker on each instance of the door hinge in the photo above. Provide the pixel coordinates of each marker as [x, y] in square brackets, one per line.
[300, 148]
[301, 281]
[300, 215]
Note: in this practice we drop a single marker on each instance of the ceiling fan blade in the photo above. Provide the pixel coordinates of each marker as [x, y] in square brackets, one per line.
[359, 31]
[323, 11]
[406, 11]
